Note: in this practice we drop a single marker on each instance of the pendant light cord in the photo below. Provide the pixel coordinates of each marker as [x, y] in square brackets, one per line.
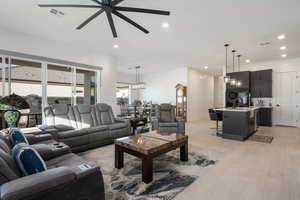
[226, 65]
[233, 58]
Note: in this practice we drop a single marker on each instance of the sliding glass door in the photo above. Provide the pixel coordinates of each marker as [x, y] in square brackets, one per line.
[4, 74]
[85, 91]
[59, 85]
[42, 84]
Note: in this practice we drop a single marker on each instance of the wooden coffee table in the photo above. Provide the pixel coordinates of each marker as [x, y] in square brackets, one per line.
[148, 146]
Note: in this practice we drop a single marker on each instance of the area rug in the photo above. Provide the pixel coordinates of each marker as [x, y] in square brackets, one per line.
[170, 177]
[261, 138]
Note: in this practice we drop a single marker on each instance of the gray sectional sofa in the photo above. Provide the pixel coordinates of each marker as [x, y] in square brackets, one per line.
[83, 127]
[68, 176]
[64, 179]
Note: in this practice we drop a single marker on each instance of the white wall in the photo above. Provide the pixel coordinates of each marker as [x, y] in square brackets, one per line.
[219, 95]
[37, 46]
[200, 95]
[283, 65]
[160, 86]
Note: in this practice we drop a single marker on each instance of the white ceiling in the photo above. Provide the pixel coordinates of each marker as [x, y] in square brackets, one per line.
[197, 33]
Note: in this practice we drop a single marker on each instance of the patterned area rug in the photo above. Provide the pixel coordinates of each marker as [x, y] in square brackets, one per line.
[171, 176]
[262, 138]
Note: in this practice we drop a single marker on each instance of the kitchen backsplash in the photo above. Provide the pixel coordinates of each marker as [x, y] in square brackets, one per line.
[265, 102]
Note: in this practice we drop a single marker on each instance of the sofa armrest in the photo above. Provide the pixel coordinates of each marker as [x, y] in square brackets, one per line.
[121, 120]
[33, 139]
[181, 125]
[34, 185]
[154, 123]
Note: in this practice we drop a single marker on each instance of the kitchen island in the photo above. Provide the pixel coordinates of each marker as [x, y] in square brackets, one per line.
[239, 123]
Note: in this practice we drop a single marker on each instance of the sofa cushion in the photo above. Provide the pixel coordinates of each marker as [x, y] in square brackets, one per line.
[76, 141]
[104, 114]
[29, 160]
[83, 116]
[61, 127]
[96, 129]
[168, 124]
[99, 136]
[64, 115]
[71, 133]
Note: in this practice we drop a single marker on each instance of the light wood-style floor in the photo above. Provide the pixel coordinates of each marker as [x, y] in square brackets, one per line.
[247, 170]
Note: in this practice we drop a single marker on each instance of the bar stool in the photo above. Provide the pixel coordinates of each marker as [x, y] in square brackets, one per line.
[216, 116]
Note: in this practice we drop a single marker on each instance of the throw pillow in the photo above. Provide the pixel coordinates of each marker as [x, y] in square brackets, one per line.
[28, 160]
[16, 136]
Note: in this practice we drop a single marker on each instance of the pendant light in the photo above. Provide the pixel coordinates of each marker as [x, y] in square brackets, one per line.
[233, 81]
[139, 84]
[226, 78]
[239, 83]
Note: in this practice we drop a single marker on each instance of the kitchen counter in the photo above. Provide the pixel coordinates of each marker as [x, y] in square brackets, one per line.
[239, 123]
[238, 109]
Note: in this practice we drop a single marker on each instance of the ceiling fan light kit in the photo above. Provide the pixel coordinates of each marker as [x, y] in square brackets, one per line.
[109, 7]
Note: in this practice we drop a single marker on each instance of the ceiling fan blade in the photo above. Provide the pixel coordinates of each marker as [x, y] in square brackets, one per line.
[97, 2]
[142, 10]
[111, 23]
[90, 19]
[130, 21]
[116, 2]
[68, 6]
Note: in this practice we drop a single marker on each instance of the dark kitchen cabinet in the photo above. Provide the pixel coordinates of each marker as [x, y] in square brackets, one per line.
[261, 84]
[264, 117]
[244, 77]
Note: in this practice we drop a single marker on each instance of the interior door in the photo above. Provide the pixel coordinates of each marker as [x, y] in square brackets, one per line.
[286, 105]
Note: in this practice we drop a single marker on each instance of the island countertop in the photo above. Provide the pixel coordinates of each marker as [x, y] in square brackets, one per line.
[238, 109]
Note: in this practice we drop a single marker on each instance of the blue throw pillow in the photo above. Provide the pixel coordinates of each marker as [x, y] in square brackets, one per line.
[16, 136]
[28, 160]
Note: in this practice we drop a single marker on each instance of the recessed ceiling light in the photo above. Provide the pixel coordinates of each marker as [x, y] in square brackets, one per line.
[283, 48]
[116, 46]
[165, 25]
[205, 67]
[281, 37]
[248, 61]
[284, 55]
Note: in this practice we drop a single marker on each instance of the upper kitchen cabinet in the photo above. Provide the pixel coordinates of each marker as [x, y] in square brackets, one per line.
[261, 84]
[244, 77]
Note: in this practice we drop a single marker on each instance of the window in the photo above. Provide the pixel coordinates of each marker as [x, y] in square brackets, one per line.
[4, 70]
[41, 83]
[85, 87]
[59, 85]
[26, 81]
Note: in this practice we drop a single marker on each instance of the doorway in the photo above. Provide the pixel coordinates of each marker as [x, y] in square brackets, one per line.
[286, 107]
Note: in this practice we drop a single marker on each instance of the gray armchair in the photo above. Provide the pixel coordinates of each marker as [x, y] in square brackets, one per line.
[166, 121]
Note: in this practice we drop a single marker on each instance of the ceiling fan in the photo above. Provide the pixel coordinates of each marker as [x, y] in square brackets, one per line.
[110, 7]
